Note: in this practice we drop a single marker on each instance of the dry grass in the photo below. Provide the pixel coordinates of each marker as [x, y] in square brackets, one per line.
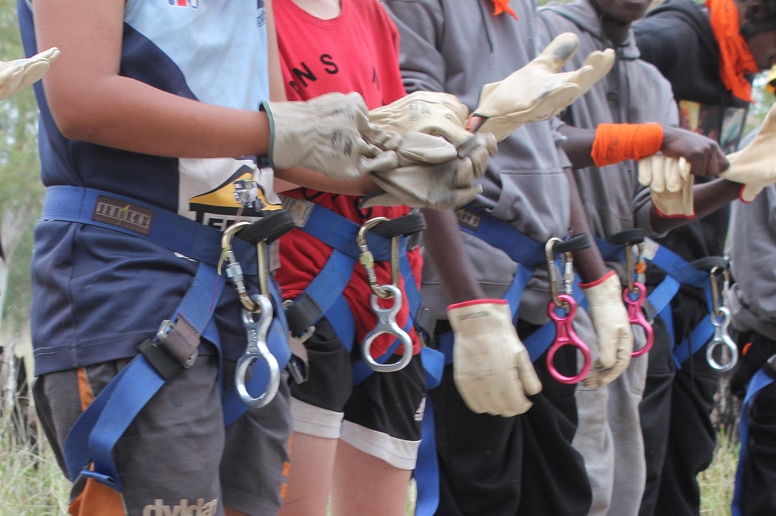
[32, 484]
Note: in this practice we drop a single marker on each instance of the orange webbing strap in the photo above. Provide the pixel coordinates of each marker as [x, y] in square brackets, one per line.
[618, 142]
[97, 500]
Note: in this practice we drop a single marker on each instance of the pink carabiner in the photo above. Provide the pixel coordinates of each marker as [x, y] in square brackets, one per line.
[566, 336]
[636, 316]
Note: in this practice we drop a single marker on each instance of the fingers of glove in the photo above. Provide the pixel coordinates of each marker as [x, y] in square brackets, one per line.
[645, 171]
[597, 65]
[18, 74]
[600, 375]
[382, 161]
[688, 207]
[33, 72]
[750, 192]
[673, 175]
[556, 101]
[340, 109]
[527, 374]
[477, 149]
[36, 66]
[377, 136]
[544, 108]
[615, 343]
[420, 187]
[685, 171]
[452, 132]
[558, 52]
[419, 148]
[498, 395]
[10, 79]
[658, 183]
[440, 114]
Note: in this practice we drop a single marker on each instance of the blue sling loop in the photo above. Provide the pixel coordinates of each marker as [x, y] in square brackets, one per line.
[323, 296]
[678, 272]
[762, 379]
[95, 433]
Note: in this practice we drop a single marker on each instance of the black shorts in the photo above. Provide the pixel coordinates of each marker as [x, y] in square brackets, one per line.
[380, 416]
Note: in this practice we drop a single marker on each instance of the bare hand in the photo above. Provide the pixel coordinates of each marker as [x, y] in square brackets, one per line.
[704, 155]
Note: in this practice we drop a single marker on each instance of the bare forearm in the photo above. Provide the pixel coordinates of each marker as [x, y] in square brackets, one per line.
[588, 262]
[444, 247]
[578, 145]
[318, 181]
[707, 198]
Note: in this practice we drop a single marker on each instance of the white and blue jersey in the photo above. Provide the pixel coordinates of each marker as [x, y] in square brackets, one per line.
[98, 293]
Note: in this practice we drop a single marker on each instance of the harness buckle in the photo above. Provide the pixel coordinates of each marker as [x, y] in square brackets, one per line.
[173, 346]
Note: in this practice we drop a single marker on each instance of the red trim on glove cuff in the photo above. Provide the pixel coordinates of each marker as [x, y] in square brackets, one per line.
[741, 195]
[598, 281]
[676, 216]
[477, 302]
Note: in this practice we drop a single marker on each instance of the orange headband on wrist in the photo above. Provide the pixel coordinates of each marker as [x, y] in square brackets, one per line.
[617, 142]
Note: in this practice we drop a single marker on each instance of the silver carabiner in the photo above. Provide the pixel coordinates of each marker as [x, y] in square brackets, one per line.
[720, 321]
[257, 349]
[386, 323]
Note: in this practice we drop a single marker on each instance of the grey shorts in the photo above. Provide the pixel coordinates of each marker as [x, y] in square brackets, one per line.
[380, 415]
[176, 456]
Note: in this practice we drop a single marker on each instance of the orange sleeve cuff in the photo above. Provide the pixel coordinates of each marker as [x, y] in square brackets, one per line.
[618, 142]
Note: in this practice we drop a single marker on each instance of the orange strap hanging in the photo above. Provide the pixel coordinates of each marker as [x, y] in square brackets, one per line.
[735, 58]
[617, 142]
[502, 6]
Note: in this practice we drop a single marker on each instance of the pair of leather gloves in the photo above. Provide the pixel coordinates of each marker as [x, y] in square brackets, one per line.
[417, 149]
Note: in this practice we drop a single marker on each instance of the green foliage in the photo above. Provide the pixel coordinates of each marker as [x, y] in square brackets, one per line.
[21, 190]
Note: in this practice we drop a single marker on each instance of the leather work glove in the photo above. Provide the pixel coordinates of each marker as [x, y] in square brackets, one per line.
[670, 184]
[423, 183]
[491, 367]
[753, 166]
[438, 114]
[18, 74]
[612, 327]
[330, 133]
[539, 91]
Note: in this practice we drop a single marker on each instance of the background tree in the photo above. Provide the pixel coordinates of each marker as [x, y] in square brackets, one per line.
[21, 193]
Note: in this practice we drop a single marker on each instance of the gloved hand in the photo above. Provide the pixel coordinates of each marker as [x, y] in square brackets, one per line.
[438, 114]
[612, 327]
[445, 183]
[539, 91]
[491, 367]
[670, 183]
[18, 74]
[753, 166]
[330, 133]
